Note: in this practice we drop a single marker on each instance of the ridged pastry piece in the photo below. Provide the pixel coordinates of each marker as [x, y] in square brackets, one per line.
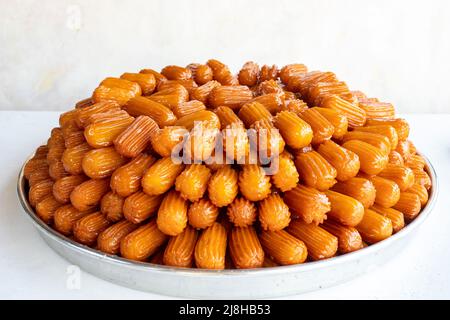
[322, 129]
[223, 186]
[101, 163]
[193, 181]
[89, 193]
[377, 110]
[402, 176]
[320, 243]
[190, 85]
[251, 112]
[38, 175]
[286, 178]
[296, 132]
[35, 164]
[245, 249]
[39, 191]
[171, 96]
[236, 142]
[374, 227]
[188, 107]
[273, 214]
[166, 139]
[396, 158]
[83, 115]
[387, 191]
[87, 229]
[211, 248]
[136, 138]
[202, 214]
[207, 116]
[146, 81]
[269, 86]
[242, 212]
[322, 90]
[158, 76]
[176, 73]
[396, 217]
[66, 216]
[349, 239]
[41, 152]
[101, 133]
[45, 209]
[222, 73]
[55, 153]
[142, 106]
[344, 209]
[421, 177]
[227, 116]
[358, 188]
[68, 118]
[109, 240]
[84, 103]
[377, 140]
[404, 149]
[284, 248]
[296, 106]
[62, 188]
[372, 160]
[268, 138]
[229, 96]
[180, 249]
[127, 179]
[248, 75]
[401, 126]
[142, 242]
[106, 116]
[254, 184]
[415, 162]
[201, 142]
[161, 176]
[111, 206]
[201, 73]
[140, 206]
[268, 73]
[172, 214]
[421, 191]
[385, 130]
[315, 171]
[292, 70]
[345, 162]
[355, 115]
[409, 204]
[56, 170]
[307, 203]
[273, 102]
[74, 138]
[117, 90]
[202, 92]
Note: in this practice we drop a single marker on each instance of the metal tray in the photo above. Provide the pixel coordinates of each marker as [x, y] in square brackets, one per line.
[227, 284]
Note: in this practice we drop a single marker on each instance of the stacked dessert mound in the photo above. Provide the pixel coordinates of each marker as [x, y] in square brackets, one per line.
[198, 167]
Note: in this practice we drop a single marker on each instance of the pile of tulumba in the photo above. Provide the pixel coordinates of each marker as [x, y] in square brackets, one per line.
[346, 175]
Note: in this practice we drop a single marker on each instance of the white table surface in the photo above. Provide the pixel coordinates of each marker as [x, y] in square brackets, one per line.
[31, 270]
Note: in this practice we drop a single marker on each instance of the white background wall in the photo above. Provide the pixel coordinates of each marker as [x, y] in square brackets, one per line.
[53, 53]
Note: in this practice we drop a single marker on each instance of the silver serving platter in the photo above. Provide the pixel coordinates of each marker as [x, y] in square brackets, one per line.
[227, 284]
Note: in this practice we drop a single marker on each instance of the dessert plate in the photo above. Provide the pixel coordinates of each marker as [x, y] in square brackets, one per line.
[228, 284]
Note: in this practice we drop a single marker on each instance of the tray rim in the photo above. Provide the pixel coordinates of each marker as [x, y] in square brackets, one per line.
[296, 268]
